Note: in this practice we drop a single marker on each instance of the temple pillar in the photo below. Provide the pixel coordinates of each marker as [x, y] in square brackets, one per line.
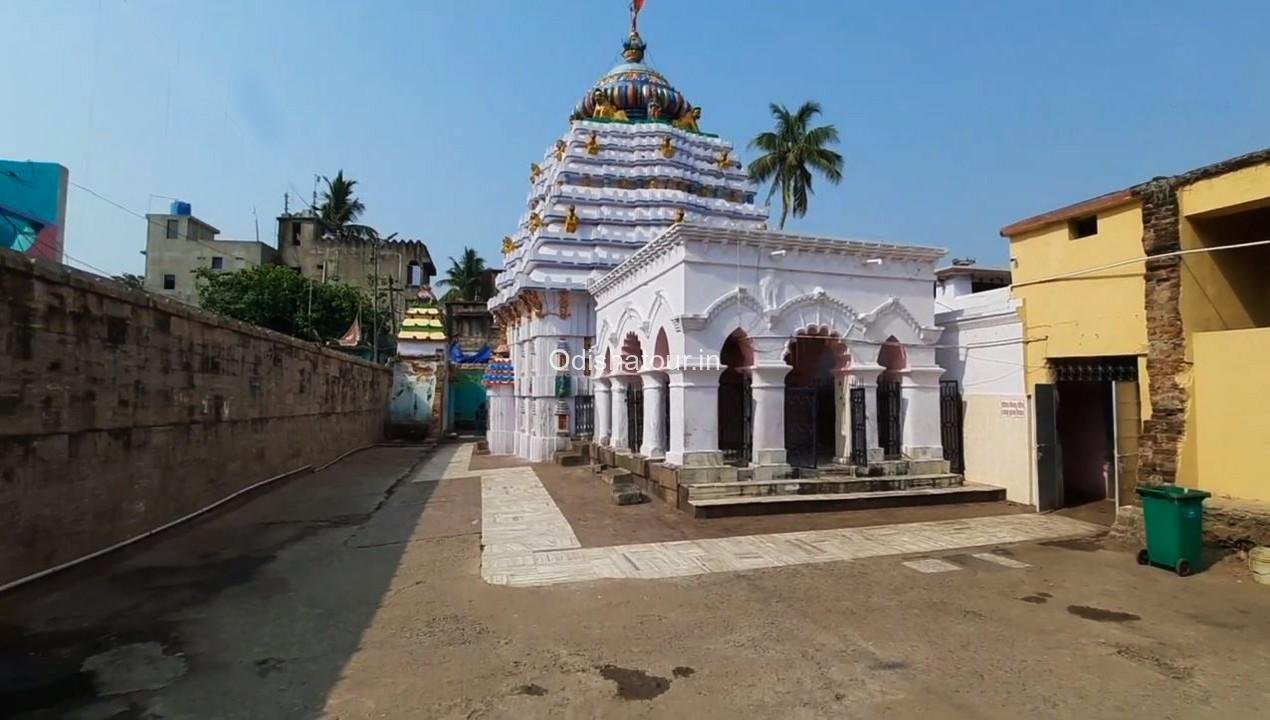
[694, 422]
[842, 418]
[619, 438]
[767, 387]
[603, 410]
[654, 389]
[919, 398]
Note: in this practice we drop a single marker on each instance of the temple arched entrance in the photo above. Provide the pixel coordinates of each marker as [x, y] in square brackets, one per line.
[736, 403]
[811, 410]
[893, 359]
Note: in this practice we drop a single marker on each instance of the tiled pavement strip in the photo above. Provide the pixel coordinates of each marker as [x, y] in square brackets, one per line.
[527, 540]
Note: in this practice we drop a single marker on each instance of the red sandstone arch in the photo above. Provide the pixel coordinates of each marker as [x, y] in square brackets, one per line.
[893, 357]
[632, 354]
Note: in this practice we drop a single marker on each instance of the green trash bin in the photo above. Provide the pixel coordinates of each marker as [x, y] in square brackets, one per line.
[1174, 521]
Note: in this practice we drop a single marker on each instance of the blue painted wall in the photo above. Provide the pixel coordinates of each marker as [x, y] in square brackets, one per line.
[33, 207]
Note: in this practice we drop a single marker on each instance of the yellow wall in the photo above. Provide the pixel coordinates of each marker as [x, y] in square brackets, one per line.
[1224, 290]
[1231, 406]
[1225, 193]
[1092, 315]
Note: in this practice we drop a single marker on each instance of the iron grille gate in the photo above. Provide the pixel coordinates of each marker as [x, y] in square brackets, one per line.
[583, 415]
[665, 418]
[634, 418]
[950, 425]
[800, 426]
[889, 433]
[859, 423]
[736, 418]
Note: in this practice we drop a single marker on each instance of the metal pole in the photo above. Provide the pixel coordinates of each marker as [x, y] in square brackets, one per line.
[374, 299]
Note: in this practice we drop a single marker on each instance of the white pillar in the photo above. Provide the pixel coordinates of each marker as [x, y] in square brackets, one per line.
[767, 385]
[694, 422]
[919, 399]
[654, 408]
[501, 432]
[618, 438]
[603, 411]
[866, 376]
[842, 418]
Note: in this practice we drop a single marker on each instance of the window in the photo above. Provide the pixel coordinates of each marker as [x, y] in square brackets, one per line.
[295, 233]
[414, 274]
[173, 226]
[218, 262]
[169, 282]
[1083, 226]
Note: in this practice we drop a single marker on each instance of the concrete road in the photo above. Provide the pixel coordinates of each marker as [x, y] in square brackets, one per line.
[356, 593]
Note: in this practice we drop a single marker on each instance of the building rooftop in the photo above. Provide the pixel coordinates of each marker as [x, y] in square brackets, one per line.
[1110, 200]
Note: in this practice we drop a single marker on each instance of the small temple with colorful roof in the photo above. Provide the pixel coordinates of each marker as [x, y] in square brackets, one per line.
[646, 305]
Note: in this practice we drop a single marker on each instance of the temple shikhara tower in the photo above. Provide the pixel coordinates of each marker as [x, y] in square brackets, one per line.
[646, 306]
[632, 164]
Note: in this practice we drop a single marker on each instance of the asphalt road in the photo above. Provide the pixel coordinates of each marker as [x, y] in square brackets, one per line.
[356, 593]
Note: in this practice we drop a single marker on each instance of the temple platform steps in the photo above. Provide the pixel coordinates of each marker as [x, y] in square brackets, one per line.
[821, 486]
[860, 499]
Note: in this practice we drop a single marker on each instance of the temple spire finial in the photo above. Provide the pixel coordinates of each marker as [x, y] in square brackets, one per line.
[633, 48]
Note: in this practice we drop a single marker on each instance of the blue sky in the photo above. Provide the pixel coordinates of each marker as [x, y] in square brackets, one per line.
[956, 117]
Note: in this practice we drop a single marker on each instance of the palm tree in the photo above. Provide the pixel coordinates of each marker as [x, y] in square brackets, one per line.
[791, 152]
[465, 277]
[340, 208]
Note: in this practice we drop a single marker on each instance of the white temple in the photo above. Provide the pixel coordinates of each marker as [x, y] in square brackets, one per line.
[711, 344]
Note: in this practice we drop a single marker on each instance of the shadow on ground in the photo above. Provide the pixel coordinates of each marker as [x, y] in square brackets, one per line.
[263, 601]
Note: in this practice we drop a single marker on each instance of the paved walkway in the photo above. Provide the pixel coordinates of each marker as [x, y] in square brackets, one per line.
[527, 541]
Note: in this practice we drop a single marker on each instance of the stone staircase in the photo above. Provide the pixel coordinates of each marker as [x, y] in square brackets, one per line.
[896, 483]
[573, 457]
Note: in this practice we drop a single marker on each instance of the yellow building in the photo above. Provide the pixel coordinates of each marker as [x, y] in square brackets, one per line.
[1146, 316]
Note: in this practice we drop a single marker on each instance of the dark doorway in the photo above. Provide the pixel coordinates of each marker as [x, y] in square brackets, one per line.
[890, 433]
[635, 416]
[893, 357]
[859, 427]
[736, 404]
[1085, 436]
[1077, 437]
[811, 413]
[950, 420]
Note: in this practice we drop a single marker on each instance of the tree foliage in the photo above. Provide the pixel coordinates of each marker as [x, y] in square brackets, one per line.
[341, 208]
[465, 277]
[279, 298]
[791, 152]
[133, 282]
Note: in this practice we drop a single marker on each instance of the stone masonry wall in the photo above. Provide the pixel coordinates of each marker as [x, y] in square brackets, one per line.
[1167, 368]
[121, 411]
[1166, 344]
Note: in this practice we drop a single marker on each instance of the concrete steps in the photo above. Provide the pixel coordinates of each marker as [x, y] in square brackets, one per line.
[823, 485]
[570, 458]
[863, 500]
[576, 455]
[882, 468]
